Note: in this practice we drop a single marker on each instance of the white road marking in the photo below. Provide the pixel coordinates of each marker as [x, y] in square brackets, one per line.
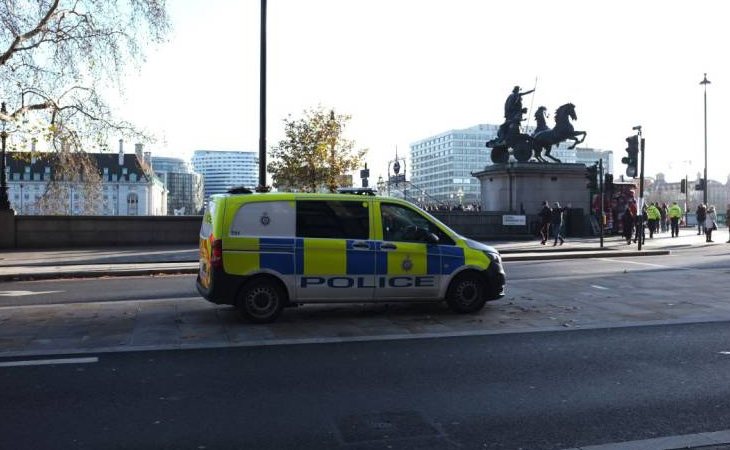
[24, 293]
[598, 287]
[724, 353]
[46, 362]
[639, 263]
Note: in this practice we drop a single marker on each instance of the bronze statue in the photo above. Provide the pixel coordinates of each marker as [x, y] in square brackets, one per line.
[525, 147]
[513, 111]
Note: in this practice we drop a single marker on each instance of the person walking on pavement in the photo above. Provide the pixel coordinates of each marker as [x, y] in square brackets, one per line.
[664, 210]
[727, 220]
[675, 213]
[710, 223]
[627, 221]
[545, 216]
[701, 214]
[653, 215]
[557, 223]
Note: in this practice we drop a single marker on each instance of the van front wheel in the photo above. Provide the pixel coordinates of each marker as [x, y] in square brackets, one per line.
[261, 301]
[467, 293]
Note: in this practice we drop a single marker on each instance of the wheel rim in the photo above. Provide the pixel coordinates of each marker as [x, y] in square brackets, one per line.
[467, 292]
[262, 301]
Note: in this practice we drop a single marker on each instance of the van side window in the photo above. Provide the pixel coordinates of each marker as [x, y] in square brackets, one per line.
[401, 223]
[333, 219]
[264, 219]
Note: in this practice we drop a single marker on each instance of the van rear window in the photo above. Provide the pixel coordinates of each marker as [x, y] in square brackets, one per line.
[333, 219]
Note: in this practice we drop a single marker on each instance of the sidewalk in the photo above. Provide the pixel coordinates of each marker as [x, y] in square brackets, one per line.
[125, 261]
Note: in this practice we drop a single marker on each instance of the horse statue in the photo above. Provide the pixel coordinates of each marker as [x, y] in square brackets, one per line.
[543, 138]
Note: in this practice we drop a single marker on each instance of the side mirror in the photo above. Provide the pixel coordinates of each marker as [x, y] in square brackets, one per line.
[431, 238]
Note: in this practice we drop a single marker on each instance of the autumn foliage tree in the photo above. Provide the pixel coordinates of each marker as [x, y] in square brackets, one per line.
[314, 153]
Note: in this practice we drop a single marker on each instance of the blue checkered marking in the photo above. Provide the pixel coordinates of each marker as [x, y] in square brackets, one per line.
[381, 260]
[277, 254]
[299, 256]
[360, 261]
[452, 257]
[433, 260]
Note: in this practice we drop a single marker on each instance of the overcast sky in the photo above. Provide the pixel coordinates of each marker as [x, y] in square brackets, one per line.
[406, 70]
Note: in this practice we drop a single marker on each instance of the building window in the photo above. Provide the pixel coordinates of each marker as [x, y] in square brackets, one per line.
[132, 204]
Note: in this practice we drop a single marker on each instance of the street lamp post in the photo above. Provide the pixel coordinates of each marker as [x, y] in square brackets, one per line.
[704, 84]
[4, 201]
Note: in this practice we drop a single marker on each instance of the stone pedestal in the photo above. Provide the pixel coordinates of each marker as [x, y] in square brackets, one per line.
[522, 187]
[7, 229]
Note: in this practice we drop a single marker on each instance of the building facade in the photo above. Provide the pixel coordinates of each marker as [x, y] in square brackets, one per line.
[222, 170]
[662, 191]
[127, 187]
[441, 166]
[184, 187]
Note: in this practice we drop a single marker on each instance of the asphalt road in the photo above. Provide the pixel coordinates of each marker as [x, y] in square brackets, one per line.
[687, 272]
[85, 290]
[535, 391]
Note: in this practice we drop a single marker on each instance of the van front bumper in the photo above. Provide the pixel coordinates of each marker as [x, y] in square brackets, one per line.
[496, 279]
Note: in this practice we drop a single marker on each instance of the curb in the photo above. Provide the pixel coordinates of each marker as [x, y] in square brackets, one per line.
[150, 271]
[96, 274]
[535, 256]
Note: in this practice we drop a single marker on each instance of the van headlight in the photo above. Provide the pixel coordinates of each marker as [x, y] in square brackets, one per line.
[491, 252]
[494, 257]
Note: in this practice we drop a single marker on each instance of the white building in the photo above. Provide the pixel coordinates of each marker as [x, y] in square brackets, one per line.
[128, 186]
[222, 170]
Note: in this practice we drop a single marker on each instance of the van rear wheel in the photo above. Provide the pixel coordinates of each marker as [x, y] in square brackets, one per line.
[467, 293]
[261, 301]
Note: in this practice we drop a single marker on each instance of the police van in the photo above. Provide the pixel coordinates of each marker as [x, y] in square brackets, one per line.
[265, 251]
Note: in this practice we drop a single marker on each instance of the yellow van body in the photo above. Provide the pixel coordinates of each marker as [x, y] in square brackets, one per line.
[262, 252]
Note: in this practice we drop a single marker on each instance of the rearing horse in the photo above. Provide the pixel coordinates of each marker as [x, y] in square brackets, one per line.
[545, 139]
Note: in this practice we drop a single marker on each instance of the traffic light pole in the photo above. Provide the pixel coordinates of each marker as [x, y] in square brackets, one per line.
[602, 217]
[686, 198]
[641, 192]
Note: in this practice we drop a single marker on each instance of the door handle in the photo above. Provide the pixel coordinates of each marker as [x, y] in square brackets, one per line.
[361, 245]
[388, 247]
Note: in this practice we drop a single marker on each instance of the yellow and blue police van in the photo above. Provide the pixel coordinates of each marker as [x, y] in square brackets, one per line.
[262, 252]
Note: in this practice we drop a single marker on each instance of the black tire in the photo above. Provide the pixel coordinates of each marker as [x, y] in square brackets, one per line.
[261, 300]
[500, 155]
[467, 293]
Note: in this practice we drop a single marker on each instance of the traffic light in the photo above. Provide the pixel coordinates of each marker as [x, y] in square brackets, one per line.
[701, 185]
[632, 160]
[683, 186]
[592, 176]
[608, 180]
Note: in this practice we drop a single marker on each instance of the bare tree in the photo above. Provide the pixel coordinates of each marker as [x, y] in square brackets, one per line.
[59, 59]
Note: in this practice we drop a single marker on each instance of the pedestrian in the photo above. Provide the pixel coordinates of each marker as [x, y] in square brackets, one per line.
[556, 222]
[545, 216]
[727, 220]
[675, 213]
[710, 223]
[701, 214]
[627, 221]
[653, 215]
[663, 210]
